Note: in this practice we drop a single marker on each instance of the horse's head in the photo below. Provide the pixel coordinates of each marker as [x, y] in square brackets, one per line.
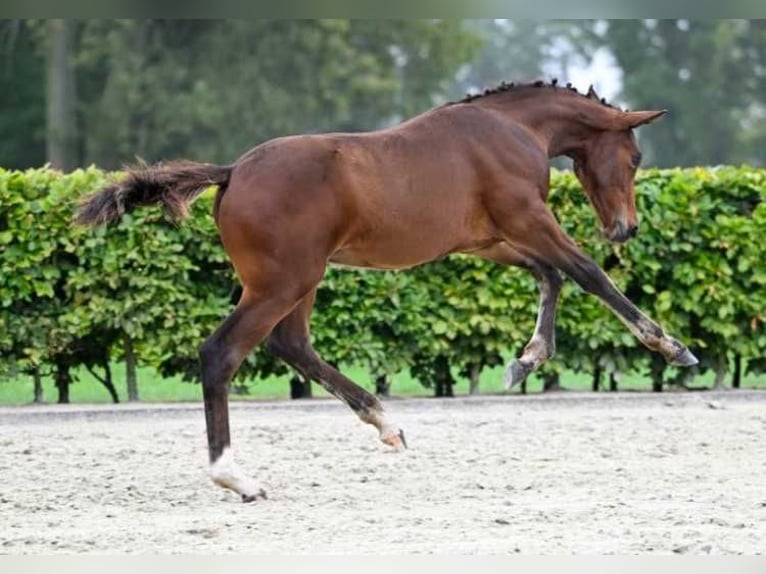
[606, 166]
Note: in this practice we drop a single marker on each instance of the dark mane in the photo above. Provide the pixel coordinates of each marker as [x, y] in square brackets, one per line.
[512, 86]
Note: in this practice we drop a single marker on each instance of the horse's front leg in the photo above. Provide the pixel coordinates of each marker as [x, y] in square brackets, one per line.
[542, 345]
[551, 245]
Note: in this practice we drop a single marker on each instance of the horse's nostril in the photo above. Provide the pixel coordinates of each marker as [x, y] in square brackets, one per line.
[633, 230]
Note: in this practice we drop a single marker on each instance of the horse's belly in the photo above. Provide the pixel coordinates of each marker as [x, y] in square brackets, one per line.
[380, 259]
[397, 254]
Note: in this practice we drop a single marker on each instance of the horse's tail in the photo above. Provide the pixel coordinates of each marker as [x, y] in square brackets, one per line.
[173, 185]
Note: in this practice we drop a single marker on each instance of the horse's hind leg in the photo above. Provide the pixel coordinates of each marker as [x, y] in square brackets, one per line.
[290, 340]
[220, 356]
[542, 345]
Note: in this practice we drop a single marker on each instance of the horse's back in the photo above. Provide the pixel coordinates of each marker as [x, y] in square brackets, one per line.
[390, 198]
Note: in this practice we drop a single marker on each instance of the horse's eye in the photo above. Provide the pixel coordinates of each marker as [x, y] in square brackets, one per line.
[635, 161]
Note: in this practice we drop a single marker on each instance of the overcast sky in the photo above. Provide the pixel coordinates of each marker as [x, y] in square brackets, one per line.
[602, 72]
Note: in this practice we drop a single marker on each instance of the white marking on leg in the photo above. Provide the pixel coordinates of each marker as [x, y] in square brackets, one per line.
[644, 329]
[390, 433]
[536, 352]
[227, 474]
[655, 338]
[539, 349]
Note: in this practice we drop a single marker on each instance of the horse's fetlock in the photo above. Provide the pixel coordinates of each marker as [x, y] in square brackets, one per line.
[537, 352]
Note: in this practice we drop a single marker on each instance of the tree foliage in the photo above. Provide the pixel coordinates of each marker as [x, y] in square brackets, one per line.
[22, 96]
[210, 89]
[711, 75]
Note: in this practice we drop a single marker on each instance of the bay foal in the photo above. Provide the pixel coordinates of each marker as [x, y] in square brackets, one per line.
[467, 177]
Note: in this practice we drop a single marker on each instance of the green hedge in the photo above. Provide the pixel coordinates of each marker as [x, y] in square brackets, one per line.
[80, 297]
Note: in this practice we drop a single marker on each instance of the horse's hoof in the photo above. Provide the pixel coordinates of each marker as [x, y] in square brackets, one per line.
[253, 497]
[396, 441]
[515, 373]
[685, 358]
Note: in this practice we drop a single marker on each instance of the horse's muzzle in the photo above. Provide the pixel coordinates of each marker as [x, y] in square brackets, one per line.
[620, 232]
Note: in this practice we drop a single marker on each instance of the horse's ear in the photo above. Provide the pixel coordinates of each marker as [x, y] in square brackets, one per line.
[635, 119]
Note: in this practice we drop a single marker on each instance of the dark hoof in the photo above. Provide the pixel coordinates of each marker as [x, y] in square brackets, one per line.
[253, 497]
[685, 358]
[515, 373]
[401, 438]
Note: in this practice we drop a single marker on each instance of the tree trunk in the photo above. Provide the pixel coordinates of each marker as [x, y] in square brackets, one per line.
[597, 378]
[444, 382]
[140, 119]
[60, 120]
[300, 388]
[106, 380]
[109, 383]
[551, 382]
[63, 380]
[446, 377]
[720, 372]
[382, 386]
[473, 378]
[38, 384]
[657, 370]
[614, 378]
[736, 379]
[130, 369]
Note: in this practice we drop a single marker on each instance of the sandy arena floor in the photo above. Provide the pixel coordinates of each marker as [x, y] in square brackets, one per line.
[568, 473]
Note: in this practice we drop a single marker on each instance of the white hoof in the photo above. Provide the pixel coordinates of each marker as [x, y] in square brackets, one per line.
[227, 474]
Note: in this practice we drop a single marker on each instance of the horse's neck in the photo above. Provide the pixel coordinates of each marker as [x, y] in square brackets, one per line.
[563, 122]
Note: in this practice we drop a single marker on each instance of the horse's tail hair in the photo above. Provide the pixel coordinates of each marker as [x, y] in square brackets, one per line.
[173, 185]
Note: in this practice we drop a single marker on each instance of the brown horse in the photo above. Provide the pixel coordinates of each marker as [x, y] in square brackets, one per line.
[467, 177]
